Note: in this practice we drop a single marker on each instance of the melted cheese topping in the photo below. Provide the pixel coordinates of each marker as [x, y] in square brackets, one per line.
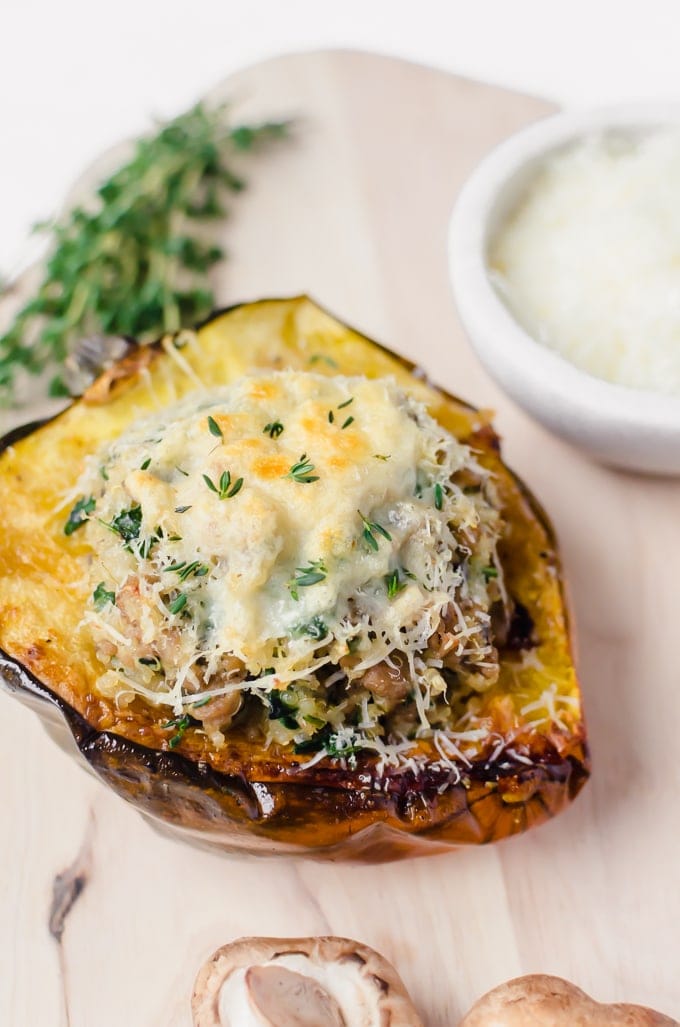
[285, 534]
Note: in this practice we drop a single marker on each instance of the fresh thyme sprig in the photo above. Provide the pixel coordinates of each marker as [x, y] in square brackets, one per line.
[224, 489]
[301, 471]
[185, 570]
[214, 428]
[371, 528]
[136, 261]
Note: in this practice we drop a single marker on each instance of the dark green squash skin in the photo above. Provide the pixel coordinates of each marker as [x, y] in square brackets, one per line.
[326, 812]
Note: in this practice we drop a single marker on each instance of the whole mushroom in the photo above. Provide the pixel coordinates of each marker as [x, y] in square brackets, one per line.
[541, 1001]
[300, 982]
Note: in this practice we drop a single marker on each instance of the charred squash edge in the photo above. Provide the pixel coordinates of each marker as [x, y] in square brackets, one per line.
[351, 818]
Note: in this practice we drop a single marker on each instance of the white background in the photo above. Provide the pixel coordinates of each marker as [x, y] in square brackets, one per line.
[78, 75]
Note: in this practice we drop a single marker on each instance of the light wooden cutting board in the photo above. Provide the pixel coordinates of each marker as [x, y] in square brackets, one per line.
[355, 212]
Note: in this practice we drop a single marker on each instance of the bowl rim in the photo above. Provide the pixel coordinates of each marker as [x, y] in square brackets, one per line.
[494, 331]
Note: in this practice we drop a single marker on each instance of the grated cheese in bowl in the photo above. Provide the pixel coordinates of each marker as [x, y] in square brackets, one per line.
[589, 260]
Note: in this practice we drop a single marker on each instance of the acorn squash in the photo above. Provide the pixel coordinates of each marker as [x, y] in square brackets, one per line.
[514, 752]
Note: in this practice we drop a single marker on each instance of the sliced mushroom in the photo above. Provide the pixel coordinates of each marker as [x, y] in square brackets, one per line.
[540, 1001]
[387, 682]
[284, 998]
[300, 982]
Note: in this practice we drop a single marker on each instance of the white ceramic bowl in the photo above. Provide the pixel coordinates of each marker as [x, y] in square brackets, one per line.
[625, 427]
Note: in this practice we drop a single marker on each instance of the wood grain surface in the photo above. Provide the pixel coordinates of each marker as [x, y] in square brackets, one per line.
[355, 212]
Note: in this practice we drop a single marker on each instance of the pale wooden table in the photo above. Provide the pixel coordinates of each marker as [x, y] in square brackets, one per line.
[356, 214]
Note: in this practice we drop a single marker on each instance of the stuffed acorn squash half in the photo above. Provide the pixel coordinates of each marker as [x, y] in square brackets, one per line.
[288, 598]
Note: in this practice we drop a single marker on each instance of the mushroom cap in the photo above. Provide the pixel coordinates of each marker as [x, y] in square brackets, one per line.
[383, 987]
[541, 1001]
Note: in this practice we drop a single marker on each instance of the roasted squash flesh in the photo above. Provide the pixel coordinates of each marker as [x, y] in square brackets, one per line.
[532, 758]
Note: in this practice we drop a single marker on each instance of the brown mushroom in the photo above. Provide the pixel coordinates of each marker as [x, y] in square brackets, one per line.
[540, 1001]
[300, 982]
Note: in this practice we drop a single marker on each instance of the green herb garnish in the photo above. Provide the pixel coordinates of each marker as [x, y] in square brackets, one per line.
[341, 406]
[282, 704]
[347, 423]
[273, 429]
[224, 489]
[489, 573]
[315, 743]
[178, 603]
[315, 628]
[438, 496]
[102, 596]
[371, 528]
[127, 524]
[306, 576]
[331, 416]
[381, 456]
[186, 570]
[300, 471]
[79, 514]
[181, 723]
[136, 260]
[145, 465]
[214, 428]
[394, 583]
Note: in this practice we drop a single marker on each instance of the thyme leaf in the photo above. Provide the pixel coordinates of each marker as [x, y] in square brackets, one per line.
[301, 471]
[102, 596]
[214, 428]
[224, 488]
[127, 523]
[79, 514]
[394, 583]
[306, 576]
[273, 429]
[178, 603]
[371, 529]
